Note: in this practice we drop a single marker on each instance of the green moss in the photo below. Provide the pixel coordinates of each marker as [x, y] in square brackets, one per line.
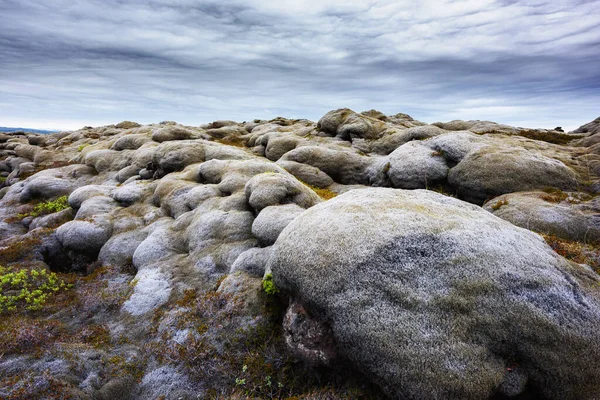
[83, 146]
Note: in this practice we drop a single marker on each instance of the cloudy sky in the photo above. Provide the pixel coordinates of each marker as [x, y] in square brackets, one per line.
[69, 63]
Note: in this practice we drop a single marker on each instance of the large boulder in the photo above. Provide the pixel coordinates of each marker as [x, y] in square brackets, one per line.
[493, 171]
[272, 220]
[552, 212]
[348, 125]
[415, 166]
[435, 298]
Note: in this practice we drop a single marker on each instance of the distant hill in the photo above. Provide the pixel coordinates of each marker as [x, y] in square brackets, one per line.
[6, 129]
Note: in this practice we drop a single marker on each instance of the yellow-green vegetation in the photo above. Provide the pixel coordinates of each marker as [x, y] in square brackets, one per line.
[83, 146]
[324, 193]
[268, 285]
[47, 207]
[499, 204]
[2, 179]
[27, 288]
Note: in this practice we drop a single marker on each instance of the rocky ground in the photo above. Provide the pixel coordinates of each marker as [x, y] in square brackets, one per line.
[363, 256]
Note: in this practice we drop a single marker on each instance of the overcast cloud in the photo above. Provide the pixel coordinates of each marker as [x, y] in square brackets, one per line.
[66, 63]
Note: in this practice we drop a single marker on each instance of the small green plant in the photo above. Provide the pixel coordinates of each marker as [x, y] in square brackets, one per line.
[83, 146]
[268, 285]
[28, 288]
[47, 207]
[2, 179]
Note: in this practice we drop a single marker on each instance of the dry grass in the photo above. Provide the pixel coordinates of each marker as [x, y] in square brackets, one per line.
[236, 141]
[240, 360]
[553, 137]
[499, 204]
[554, 195]
[19, 250]
[42, 167]
[324, 193]
[578, 252]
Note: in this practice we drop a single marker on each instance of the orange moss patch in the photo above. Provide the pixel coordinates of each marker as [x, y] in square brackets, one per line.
[236, 141]
[19, 250]
[553, 137]
[554, 195]
[499, 204]
[23, 334]
[580, 253]
[42, 167]
[324, 193]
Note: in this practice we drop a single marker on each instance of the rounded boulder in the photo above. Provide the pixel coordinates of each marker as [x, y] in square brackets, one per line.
[432, 297]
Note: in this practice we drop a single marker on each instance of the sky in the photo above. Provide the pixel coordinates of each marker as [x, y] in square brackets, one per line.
[65, 64]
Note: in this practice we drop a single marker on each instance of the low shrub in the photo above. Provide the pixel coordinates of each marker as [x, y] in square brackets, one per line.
[268, 285]
[47, 207]
[27, 288]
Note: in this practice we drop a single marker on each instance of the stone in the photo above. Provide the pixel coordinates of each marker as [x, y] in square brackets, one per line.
[415, 166]
[253, 261]
[432, 297]
[307, 337]
[272, 220]
[544, 212]
[490, 172]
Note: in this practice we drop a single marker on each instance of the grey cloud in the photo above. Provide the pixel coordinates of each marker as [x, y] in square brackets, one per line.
[529, 63]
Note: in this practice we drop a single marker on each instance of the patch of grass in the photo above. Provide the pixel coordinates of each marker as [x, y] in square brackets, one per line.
[83, 146]
[581, 253]
[27, 288]
[22, 334]
[2, 179]
[441, 189]
[499, 204]
[20, 250]
[549, 136]
[235, 359]
[47, 207]
[236, 141]
[554, 195]
[553, 137]
[42, 167]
